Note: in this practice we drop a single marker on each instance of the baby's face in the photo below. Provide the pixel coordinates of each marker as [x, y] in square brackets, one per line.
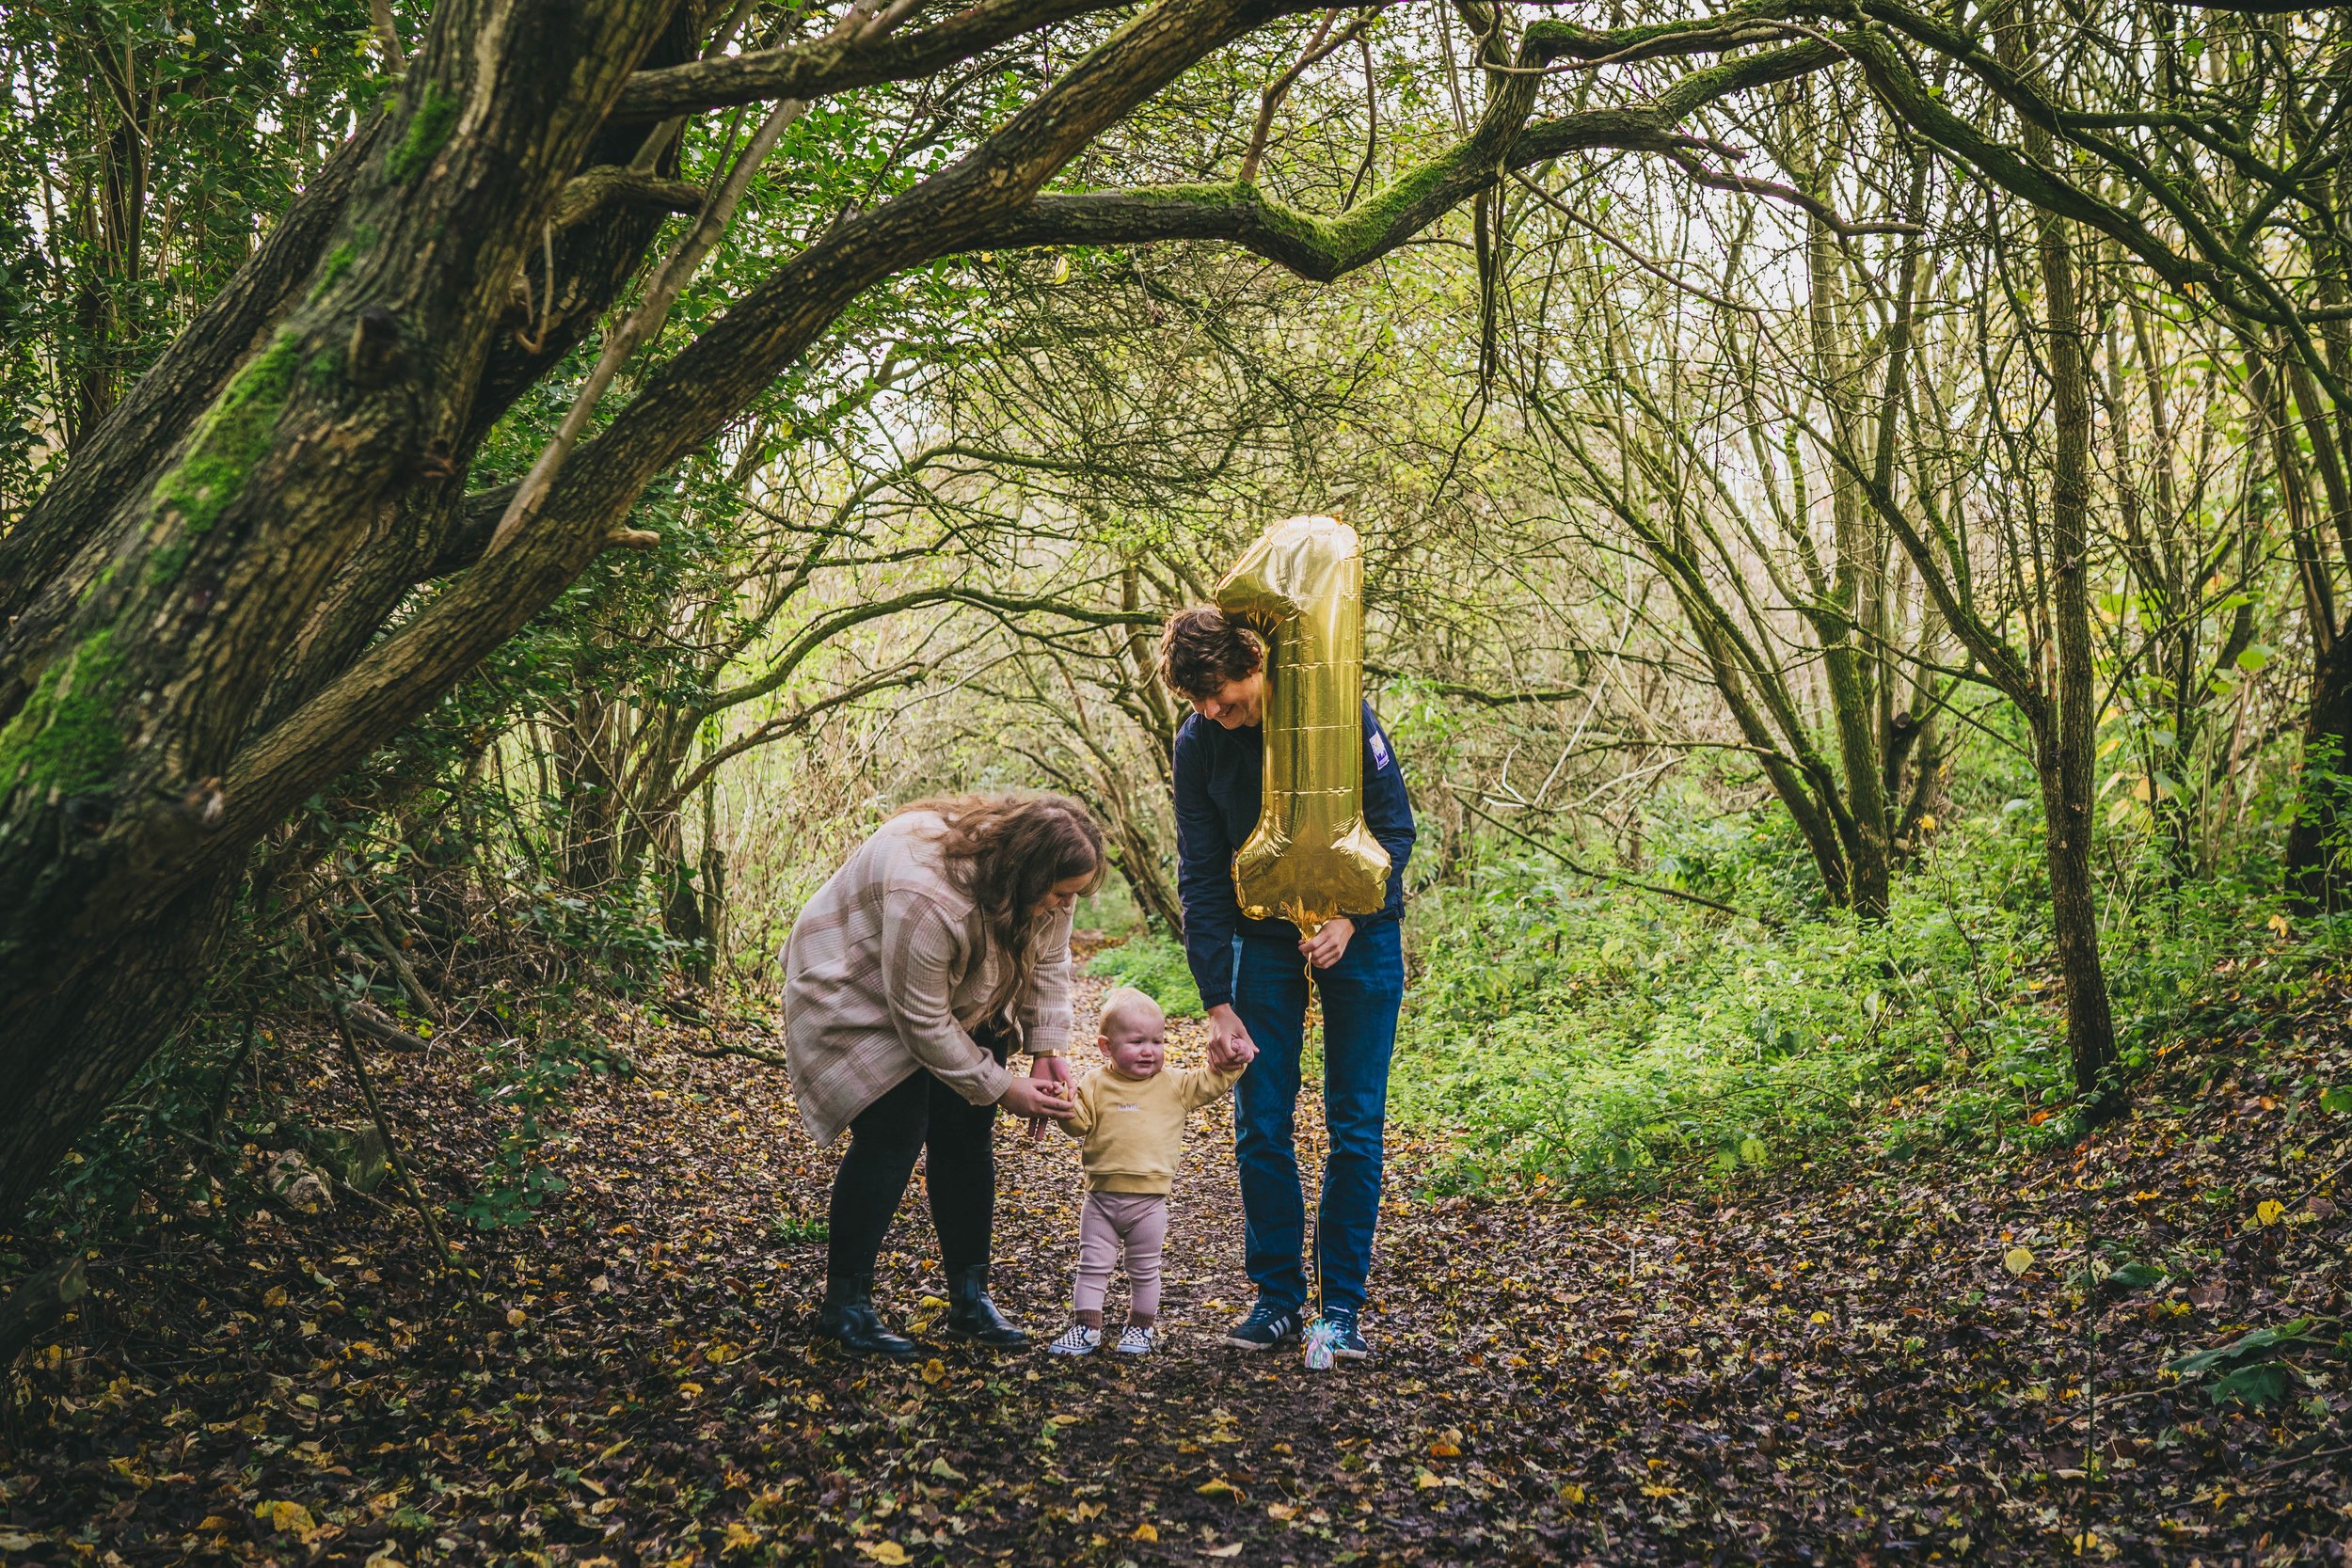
[1135, 1046]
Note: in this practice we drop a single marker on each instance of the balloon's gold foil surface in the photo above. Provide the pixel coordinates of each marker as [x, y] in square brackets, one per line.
[1302, 587]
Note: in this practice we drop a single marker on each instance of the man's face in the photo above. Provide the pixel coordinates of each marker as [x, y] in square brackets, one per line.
[1237, 705]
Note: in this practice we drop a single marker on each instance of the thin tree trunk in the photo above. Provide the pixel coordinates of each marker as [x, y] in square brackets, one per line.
[2064, 738]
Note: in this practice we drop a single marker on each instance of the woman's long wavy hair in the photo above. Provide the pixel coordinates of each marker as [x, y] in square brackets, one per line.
[1006, 853]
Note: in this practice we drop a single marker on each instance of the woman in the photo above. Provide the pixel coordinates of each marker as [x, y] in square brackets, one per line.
[941, 946]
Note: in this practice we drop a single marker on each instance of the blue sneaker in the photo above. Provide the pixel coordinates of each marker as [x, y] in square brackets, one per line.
[1347, 1343]
[1265, 1328]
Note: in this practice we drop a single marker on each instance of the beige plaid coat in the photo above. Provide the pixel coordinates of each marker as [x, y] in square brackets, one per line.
[886, 974]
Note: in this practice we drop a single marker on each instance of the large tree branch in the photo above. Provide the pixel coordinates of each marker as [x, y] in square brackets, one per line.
[1324, 248]
[822, 67]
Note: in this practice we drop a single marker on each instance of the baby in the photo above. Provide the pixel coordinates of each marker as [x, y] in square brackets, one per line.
[1130, 1124]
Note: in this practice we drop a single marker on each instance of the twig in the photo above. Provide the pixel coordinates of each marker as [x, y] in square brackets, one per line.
[643, 324]
[752, 1051]
[1318, 48]
[377, 1027]
[2299, 1458]
[383, 1127]
[408, 981]
[387, 36]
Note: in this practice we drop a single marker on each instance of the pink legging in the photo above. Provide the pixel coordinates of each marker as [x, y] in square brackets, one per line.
[1106, 1220]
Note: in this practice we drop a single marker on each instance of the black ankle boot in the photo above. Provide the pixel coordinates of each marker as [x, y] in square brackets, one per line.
[972, 1316]
[849, 1319]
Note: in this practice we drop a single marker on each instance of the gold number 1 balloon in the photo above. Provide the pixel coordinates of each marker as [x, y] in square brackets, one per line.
[1301, 588]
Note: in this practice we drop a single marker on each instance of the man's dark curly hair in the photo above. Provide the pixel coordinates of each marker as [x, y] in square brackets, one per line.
[1201, 652]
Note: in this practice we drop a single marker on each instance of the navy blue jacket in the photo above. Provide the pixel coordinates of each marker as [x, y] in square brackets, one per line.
[1220, 785]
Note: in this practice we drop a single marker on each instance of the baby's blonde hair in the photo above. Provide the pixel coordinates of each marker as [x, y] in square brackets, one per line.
[1126, 1001]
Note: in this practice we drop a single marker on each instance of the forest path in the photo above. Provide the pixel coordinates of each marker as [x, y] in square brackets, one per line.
[1821, 1366]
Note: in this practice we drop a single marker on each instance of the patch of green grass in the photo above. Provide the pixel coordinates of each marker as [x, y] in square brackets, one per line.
[1155, 966]
[800, 1231]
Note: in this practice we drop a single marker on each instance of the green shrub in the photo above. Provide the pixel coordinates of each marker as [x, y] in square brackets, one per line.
[1559, 1031]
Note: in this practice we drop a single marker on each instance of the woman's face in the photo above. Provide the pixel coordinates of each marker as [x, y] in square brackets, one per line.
[1065, 894]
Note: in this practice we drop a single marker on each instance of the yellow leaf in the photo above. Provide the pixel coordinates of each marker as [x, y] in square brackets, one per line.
[1219, 1488]
[740, 1538]
[517, 1317]
[2278, 923]
[2017, 1259]
[1064, 1420]
[1145, 1531]
[2269, 1212]
[1425, 1481]
[1443, 1449]
[1571, 1493]
[934, 1369]
[1819, 1318]
[213, 1522]
[274, 1296]
[287, 1517]
[1283, 1511]
[888, 1552]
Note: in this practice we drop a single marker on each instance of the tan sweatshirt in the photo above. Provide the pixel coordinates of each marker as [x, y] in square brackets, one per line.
[1130, 1132]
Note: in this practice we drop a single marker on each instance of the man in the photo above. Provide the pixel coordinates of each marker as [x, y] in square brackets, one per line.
[1254, 976]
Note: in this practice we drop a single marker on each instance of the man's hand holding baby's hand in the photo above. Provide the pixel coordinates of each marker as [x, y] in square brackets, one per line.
[1229, 1045]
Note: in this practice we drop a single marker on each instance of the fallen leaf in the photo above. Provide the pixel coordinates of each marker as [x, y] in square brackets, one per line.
[2017, 1259]
[888, 1552]
[286, 1517]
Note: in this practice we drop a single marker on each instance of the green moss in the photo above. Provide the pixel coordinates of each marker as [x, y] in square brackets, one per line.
[190, 498]
[64, 740]
[339, 259]
[428, 129]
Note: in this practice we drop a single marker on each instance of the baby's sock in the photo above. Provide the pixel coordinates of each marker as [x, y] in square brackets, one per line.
[1092, 1320]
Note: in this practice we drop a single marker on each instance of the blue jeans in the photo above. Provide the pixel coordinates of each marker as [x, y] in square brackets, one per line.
[1361, 996]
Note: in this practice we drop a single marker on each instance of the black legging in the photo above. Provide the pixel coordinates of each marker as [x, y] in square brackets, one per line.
[961, 1176]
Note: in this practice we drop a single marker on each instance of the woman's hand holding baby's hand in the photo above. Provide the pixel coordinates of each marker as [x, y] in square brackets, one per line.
[1047, 1069]
[1037, 1096]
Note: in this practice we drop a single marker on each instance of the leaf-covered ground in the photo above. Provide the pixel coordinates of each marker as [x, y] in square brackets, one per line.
[1817, 1365]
